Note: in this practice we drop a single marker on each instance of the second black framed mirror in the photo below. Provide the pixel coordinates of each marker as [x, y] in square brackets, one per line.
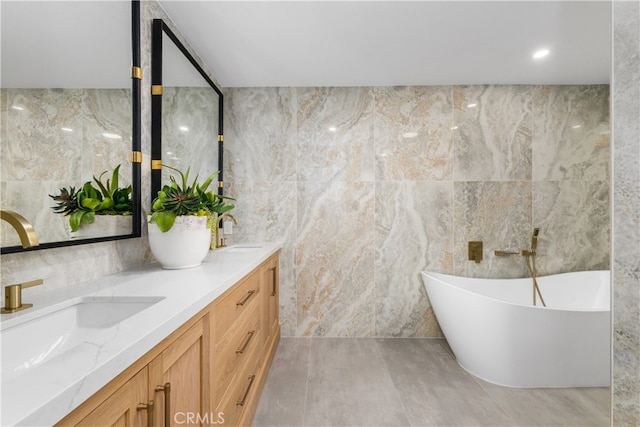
[186, 112]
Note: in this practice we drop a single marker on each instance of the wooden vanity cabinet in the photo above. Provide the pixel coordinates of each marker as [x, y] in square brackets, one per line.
[127, 406]
[211, 369]
[176, 373]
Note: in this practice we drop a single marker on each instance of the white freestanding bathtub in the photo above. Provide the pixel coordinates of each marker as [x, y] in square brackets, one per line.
[498, 335]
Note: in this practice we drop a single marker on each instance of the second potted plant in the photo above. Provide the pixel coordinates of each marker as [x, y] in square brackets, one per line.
[181, 218]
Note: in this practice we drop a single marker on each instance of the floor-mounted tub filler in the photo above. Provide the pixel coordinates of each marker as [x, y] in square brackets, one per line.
[497, 335]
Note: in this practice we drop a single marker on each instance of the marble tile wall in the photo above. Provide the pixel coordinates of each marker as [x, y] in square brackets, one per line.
[190, 130]
[626, 214]
[366, 187]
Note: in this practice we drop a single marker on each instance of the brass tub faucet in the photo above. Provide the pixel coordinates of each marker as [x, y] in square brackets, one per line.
[25, 230]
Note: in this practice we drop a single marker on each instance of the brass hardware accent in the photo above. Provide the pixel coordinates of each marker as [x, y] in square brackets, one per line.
[530, 256]
[242, 401]
[149, 407]
[475, 251]
[505, 253]
[220, 184]
[156, 164]
[136, 73]
[220, 242]
[13, 296]
[166, 389]
[246, 342]
[273, 290]
[220, 138]
[156, 90]
[25, 230]
[136, 157]
[244, 300]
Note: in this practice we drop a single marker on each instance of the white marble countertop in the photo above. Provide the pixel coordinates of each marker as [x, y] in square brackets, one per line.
[46, 393]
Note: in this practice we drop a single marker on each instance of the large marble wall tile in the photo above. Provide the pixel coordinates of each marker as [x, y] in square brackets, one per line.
[335, 259]
[574, 220]
[626, 214]
[571, 132]
[335, 134]
[412, 132]
[260, 134]
[262, 220]
[107, 111]
[190, 131]
[492, 139]
[35, 138]
[414, 232]
[499, 214]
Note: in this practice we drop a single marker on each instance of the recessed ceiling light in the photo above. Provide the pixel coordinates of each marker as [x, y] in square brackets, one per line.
[410, 134]
[111, 135]
[67, 129]
[453, 127]
[471, 105]
[184, 128]
[333, 129]
[540, 53]
[17, 107]
[576, 126]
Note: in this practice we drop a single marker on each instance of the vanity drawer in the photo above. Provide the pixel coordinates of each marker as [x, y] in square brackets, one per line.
[234, 349]
[239, 302]
[242, 391]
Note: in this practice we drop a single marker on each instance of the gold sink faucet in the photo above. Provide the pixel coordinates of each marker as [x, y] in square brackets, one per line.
[13, 296]
[25, 230]
[220, 243]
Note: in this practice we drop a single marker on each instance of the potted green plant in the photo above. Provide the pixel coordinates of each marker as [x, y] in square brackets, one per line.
[108, 202]
[180, 221]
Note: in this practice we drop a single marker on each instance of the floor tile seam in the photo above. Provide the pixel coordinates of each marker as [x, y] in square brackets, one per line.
[306, 384]
[395, 387]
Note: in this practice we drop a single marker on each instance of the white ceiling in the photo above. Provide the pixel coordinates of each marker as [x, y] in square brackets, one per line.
[384, 43]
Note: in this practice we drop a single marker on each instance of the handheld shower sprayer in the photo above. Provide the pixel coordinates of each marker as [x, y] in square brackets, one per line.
[534, 239]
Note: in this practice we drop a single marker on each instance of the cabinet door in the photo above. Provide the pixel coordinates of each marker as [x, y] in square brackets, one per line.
[179, 378]
[128, 406]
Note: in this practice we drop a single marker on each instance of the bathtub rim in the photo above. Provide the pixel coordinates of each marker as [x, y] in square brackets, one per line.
[537, 307]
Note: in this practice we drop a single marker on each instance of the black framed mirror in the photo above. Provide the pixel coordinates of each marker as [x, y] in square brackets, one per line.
[186, 113]
[70, 111]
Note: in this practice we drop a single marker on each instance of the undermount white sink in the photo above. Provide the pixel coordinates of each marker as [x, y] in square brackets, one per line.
[243, 248]
[36, 340]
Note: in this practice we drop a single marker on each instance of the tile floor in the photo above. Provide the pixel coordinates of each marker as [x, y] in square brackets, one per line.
[406, 382]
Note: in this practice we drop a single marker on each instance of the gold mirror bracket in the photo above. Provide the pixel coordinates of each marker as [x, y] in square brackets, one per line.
[136, 73]
[136, 157]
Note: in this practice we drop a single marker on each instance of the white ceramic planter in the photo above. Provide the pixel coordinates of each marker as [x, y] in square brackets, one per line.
[185, 245]
[103, 226]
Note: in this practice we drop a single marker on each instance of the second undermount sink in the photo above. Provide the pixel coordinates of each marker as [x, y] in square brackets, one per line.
[36, 340]
[243, 248]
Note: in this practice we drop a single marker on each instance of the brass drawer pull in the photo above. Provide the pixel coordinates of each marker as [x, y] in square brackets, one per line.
[166, 389]
[149, 407]
[273, 290]
[246, 392]
[246, 342]
[246, 297]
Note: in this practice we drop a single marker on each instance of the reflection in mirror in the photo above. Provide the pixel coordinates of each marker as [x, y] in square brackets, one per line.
[66, 111]
[187, 117]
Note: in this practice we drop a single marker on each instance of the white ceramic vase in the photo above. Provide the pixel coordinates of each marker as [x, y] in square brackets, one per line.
[185, 245]
[103, 226]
